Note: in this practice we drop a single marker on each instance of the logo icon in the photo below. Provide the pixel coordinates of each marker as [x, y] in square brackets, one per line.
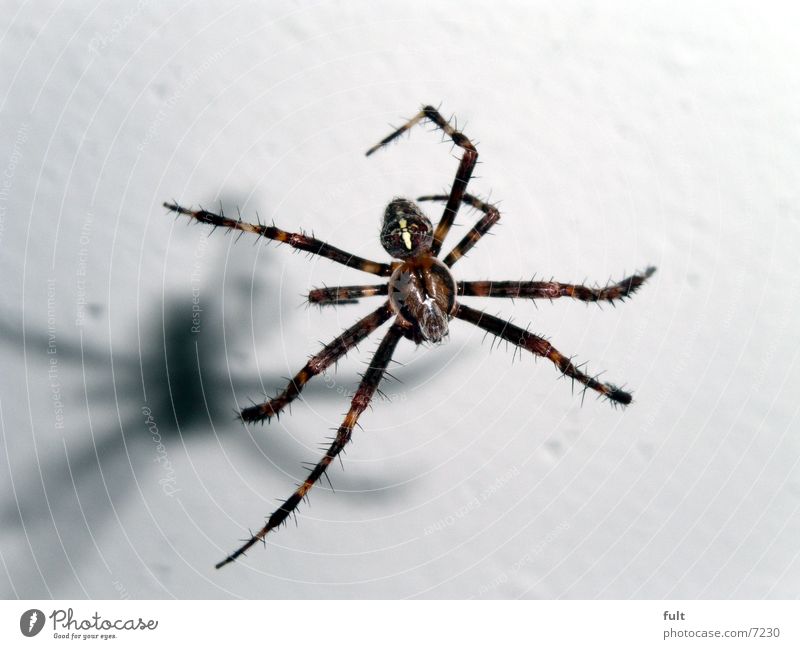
[31, 622]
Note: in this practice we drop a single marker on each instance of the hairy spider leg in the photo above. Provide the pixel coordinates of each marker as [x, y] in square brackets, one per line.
[366, 389]
[540, 347]
[331, 353]
[345, 294]
[552, 290]
[464, 172]
[295, 240]
[491, 216]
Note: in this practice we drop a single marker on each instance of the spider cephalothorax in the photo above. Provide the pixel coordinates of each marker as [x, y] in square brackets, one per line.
[422, 297]
[406, 231]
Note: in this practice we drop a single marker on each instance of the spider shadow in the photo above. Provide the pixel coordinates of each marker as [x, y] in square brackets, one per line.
[182, 381]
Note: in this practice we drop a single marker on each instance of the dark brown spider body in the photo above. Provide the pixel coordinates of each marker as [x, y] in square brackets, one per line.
[423, 298]
[422, 292]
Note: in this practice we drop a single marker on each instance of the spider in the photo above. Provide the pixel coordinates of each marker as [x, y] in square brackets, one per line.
[421, 300]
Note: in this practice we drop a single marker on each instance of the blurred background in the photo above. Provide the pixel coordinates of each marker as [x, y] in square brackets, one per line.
[613, 138]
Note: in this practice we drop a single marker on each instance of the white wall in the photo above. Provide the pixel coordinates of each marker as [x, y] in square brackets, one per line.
[614, 137]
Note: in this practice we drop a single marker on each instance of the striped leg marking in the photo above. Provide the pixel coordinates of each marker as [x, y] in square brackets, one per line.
[369, 383]
[330, 354]
[540, 347]
[467, 164]
[295, 240]
[491, 216]
[345, 294]
[552, 290]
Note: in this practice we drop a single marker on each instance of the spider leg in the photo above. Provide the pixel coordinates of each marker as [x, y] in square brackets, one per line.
[296, 240]
[540, 347]
[345, 294]
[366, 389]
[463, 174]
[491, 216]
[551, 290]
[331, 353]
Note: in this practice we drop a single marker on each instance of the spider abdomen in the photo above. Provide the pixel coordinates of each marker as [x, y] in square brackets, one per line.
[422, 292]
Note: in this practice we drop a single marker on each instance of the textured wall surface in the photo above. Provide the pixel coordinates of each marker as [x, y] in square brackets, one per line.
[612, 138]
